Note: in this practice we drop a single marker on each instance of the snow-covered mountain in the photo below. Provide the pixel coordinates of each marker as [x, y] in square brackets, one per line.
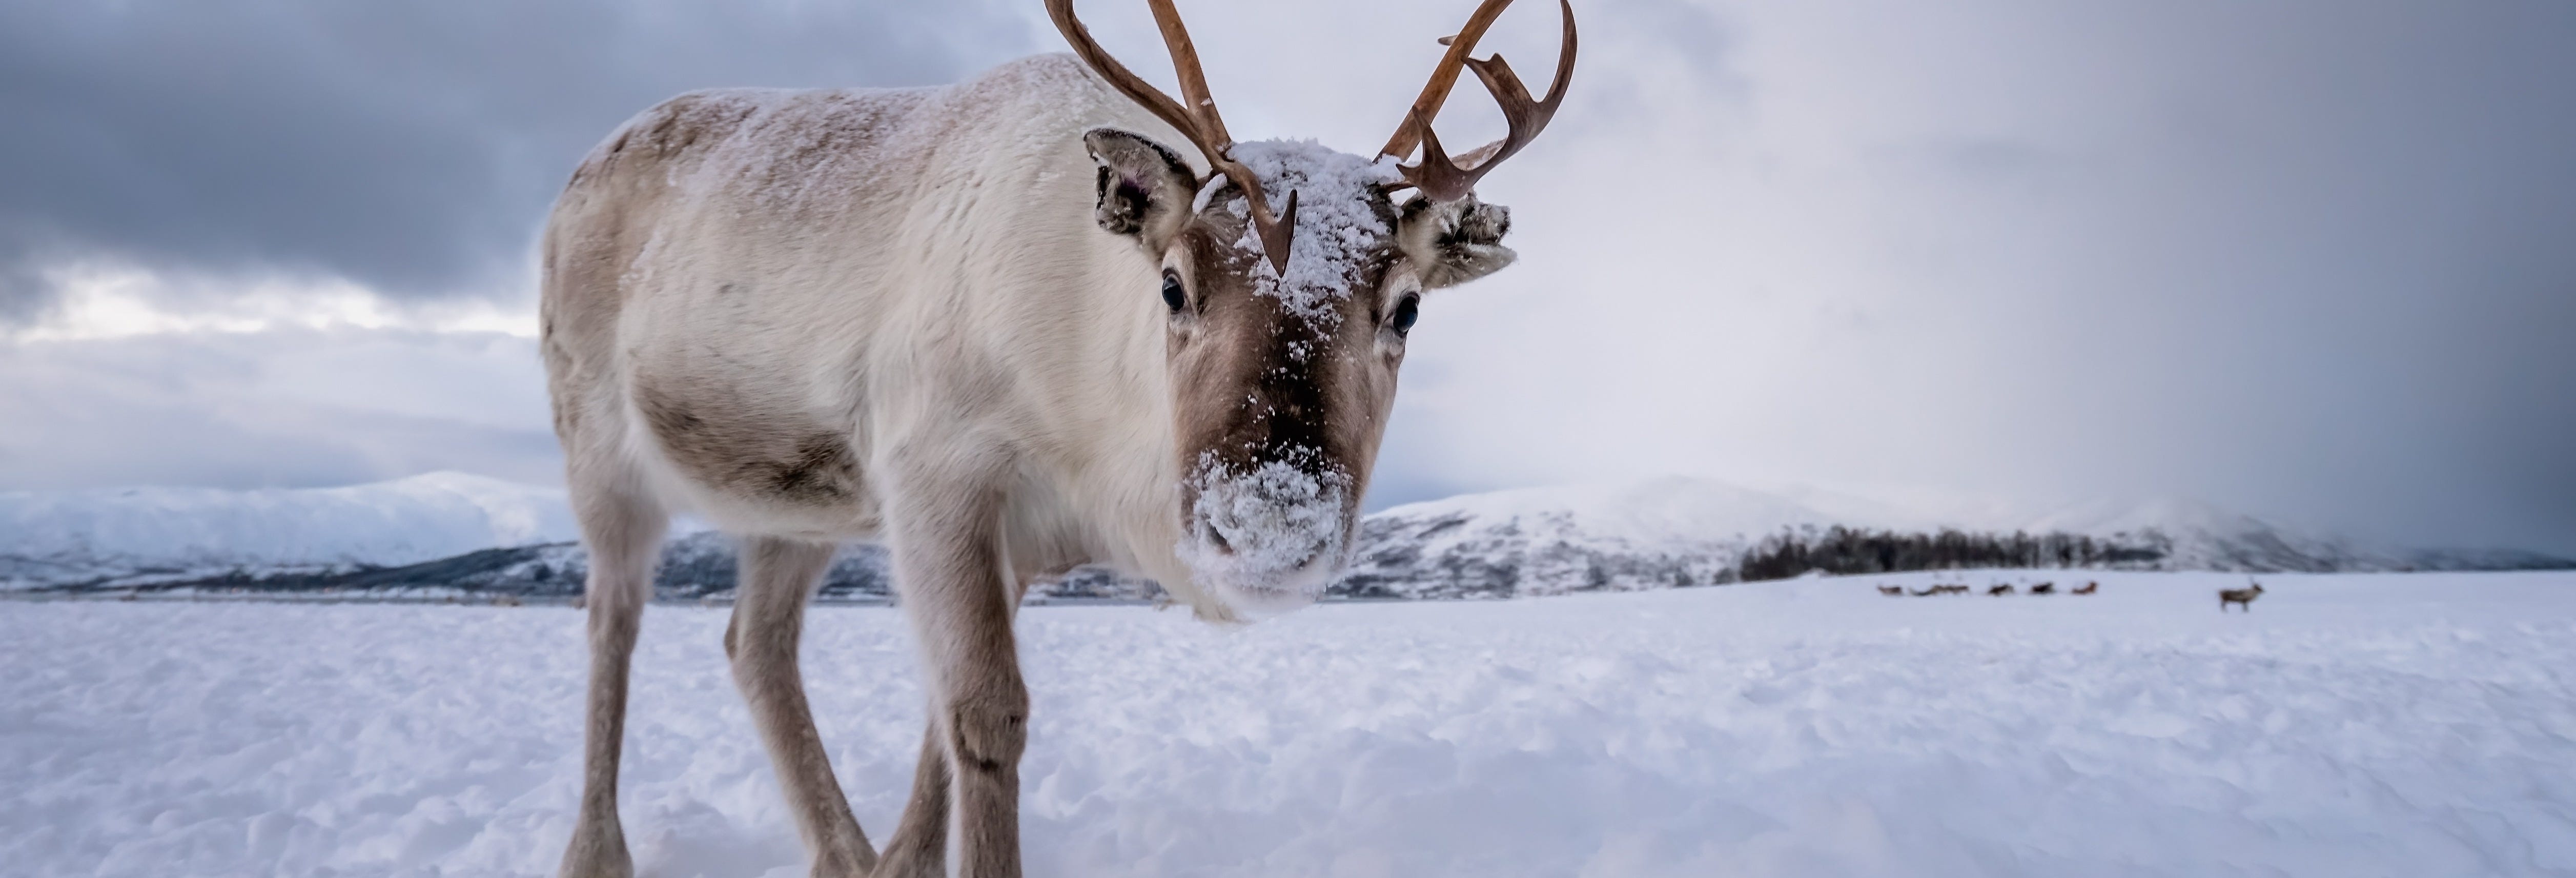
[134, 535]
[2197, 536]
[1653, 534]
[452, 532]
[1685, 531]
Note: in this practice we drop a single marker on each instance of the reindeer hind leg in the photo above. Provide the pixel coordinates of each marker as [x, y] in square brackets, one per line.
[623, 529]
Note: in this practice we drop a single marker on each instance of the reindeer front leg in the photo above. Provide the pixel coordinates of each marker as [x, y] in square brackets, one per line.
[948, 565]
[778, 577]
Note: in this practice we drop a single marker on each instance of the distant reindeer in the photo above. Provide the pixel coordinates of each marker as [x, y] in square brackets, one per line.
[1892, 590]
[2243, 597]
[2087, 588]
[1046, 317]
[1953, 588]
[2000, 590]
[1933, 590]
[2044, 588]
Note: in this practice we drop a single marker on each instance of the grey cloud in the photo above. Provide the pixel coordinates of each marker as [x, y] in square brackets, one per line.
[410, 145]
[293, 408]
[2308, 259]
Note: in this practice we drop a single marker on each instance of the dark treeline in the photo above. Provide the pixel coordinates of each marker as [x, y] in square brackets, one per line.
[1841, 550]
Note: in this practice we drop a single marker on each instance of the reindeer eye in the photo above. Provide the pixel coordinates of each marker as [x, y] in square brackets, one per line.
[1172, 294]
[1407, 310]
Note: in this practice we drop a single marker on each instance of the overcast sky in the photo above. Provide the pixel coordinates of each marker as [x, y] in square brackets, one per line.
[2310, 259]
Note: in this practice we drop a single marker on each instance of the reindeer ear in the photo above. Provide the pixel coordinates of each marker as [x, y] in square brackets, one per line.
[1453, 242]
[1144, 188]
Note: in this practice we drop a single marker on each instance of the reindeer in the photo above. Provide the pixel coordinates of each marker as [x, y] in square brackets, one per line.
[1892, 590]
[2243, 597]
[2000, 590]
[2044, 588]
[1007, 326]
[1927, 592]
[2086, 588]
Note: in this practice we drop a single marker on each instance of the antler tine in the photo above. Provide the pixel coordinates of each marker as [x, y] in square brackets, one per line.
[1273, 230]
[1437, 175]
[1197, 119]
[1119, 77]
[1185, 64]
[1443, 77]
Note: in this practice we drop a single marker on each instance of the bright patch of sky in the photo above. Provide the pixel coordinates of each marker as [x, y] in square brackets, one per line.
[95, 302]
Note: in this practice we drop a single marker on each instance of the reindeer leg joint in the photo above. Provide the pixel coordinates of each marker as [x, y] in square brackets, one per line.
[989, 734]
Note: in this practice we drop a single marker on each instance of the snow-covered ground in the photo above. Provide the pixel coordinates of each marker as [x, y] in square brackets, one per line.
[2351, 725]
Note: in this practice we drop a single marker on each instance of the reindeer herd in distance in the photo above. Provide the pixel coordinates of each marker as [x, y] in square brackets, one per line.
[1998, 589]
[2242, 597]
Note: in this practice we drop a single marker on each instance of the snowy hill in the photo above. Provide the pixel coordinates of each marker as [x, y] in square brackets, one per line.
[2198, 536]
[134, 535]
[1683, 531]
[1653, 534]
[450, 533]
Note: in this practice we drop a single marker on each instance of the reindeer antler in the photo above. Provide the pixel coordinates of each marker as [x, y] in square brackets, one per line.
[1438, 176]
[1197, 119]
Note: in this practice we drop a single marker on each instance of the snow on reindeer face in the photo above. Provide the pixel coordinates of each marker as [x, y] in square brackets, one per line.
[1282, 381]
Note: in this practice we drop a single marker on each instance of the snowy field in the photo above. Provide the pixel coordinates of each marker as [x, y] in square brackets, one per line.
[2359, 725]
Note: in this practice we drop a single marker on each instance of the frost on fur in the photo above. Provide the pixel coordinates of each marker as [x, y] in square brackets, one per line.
[1337, 223]
[1277, 526]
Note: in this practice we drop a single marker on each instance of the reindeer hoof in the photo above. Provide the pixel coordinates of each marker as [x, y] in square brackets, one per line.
[597, 854]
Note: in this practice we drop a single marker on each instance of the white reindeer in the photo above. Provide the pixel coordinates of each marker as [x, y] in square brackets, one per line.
[1006, 328]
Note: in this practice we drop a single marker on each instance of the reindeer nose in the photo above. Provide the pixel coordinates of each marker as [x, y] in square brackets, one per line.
[1262, 543]
[1273, 518]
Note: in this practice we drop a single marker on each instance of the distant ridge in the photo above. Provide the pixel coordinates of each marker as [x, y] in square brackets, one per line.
[451, 533]
[136, 535]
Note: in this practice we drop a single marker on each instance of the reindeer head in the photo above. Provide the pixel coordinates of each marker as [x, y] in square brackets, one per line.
[1285, 329]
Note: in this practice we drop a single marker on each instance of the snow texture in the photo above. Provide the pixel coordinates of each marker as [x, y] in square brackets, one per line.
[1338, 225]
[2414, 725]
[1275, 518]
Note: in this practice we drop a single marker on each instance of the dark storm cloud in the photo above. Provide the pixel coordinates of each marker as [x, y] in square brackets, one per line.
[2360, 216]
[410, 145]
